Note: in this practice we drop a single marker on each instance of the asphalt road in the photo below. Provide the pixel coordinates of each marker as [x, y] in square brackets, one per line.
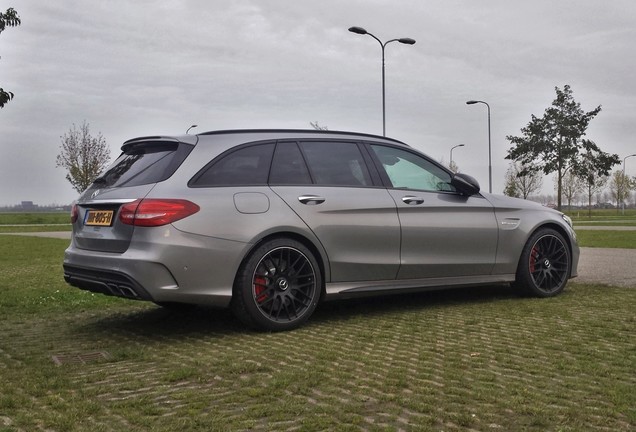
[616, 267]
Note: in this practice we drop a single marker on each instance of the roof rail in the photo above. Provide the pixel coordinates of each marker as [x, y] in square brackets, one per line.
[312, 131]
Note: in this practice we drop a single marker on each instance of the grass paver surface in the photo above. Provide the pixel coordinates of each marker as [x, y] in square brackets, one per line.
[481, 359]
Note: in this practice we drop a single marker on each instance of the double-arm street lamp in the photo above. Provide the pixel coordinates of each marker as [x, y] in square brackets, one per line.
[624, 159]
[407, 41]
[472, 102]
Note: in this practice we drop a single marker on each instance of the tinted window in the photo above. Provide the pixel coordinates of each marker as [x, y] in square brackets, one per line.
[144, 163]
[288, 166]
[408, 170]
[336, 163]
[245, 166]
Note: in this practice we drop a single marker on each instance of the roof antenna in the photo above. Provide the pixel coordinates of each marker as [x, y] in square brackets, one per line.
[193, 126]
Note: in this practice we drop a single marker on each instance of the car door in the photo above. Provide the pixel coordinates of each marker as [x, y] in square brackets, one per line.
[328, 184]
[443, 233]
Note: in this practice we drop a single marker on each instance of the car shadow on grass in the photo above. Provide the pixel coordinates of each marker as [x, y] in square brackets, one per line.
[389, 304]
[158, 323]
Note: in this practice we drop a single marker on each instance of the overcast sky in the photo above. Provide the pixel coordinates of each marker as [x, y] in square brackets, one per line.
[136, 68]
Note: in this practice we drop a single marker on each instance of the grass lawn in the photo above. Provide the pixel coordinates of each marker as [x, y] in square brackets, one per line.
[606, 239]
[607, 217]
[35, 222]
[37, 218]
[481, 359]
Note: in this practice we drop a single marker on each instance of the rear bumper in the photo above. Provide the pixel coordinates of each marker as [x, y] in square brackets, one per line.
[160, 265]
[105, 282]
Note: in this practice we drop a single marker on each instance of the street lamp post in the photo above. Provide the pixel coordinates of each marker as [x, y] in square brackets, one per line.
[451, 154]
[188, 130]
[624, 159]
[472, 102]
[407, 41]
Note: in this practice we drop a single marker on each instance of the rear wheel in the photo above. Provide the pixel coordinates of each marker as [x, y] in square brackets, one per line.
[545, 264]
[278, 286]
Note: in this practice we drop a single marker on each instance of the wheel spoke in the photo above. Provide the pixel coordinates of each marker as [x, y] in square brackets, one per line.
[280, 307]
[305, 285]
[266, 297]
[296, 298]
[541, 278]
[298, 259]
[269, 266]
[291, 313]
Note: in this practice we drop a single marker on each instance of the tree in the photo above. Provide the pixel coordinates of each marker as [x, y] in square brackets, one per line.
[84, 157]
[555, 139]
[510, 187]
[453, 167]
[522, 181]
[8, 19]
[572, 185]
[593, 168]
[620, 186]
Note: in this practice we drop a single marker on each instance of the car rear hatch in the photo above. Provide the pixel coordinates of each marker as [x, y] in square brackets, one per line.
[143, 163]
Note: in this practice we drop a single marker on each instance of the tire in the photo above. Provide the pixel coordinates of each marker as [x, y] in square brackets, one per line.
[545, 264]
[277, 287]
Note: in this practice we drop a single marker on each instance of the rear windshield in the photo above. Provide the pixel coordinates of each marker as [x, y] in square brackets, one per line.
[144, 163]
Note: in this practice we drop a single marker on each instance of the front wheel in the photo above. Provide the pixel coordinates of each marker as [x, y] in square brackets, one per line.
[545, 264]
[278, 286]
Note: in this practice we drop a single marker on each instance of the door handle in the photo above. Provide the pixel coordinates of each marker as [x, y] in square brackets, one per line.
[412, 200]
[311, 199]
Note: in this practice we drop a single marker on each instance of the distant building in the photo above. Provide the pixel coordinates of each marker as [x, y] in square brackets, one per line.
[28, 205]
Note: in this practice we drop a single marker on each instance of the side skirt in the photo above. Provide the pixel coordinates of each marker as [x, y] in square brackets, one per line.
[341, 290]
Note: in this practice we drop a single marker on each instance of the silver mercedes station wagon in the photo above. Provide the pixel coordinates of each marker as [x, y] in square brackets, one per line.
[272, 222]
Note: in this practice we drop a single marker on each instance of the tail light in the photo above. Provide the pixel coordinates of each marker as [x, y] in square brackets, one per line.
[156, 212]
[74, 213]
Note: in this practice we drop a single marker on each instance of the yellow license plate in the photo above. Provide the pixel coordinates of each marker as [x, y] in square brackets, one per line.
[99, 218]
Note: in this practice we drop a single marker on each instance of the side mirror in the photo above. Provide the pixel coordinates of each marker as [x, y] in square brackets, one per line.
[465, 184]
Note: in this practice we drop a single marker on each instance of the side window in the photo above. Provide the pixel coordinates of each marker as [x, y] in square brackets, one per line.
[245, 166]
[288, 166]
[336, 163]
[408, 170]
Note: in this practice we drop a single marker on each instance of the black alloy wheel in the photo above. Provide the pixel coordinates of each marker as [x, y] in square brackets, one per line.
[278, 287]
[545, 264]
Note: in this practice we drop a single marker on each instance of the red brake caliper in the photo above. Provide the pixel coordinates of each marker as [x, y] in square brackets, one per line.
[260, 286]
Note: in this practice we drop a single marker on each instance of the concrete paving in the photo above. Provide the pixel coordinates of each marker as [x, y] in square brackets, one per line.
[615, 267]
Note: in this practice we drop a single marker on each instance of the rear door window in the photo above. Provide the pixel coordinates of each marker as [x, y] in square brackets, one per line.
[336, 163]
[144, 163]
[288, 166]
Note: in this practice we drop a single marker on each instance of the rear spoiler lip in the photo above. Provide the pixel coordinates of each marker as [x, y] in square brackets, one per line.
[185, 139]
